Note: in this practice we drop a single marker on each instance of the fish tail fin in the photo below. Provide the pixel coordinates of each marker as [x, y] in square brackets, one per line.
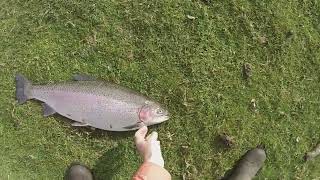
[23, 89]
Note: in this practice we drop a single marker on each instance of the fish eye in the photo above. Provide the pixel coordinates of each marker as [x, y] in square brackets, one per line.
[159, 111]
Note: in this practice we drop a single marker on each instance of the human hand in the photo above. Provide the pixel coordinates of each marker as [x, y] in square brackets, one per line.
[149, 148]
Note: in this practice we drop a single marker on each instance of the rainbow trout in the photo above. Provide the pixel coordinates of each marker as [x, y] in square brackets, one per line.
[93, 103]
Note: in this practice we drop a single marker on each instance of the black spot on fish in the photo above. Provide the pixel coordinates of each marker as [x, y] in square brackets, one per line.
[69, 115]
[110, 126]
[83, 120]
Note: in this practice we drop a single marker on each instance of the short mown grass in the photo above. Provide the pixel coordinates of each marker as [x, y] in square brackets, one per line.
[188, 55]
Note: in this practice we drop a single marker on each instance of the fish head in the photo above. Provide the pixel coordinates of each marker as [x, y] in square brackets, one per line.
[153, 113]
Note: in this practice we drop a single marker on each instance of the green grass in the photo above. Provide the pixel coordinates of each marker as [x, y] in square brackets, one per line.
[191, 66]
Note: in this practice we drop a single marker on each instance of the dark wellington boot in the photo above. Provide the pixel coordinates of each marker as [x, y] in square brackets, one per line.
[249, 165]
[77, 171]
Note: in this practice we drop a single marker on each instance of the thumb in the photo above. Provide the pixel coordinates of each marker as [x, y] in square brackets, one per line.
[140, 135]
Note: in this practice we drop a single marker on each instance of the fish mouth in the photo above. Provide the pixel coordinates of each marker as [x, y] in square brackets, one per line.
[160, 119]
[165, 118]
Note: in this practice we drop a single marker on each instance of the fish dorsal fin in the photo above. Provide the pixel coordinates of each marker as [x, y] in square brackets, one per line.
[83, 77]
[47, 110]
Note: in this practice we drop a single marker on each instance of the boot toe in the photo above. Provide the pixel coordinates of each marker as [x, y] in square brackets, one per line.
[78, 172]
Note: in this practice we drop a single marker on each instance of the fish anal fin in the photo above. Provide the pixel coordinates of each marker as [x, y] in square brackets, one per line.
[79, 124]
[83, 77]
[47, 110]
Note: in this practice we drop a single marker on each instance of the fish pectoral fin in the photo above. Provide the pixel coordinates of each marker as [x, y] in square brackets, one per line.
[135, 126]
[83, 77]
[47, 110]
[79, 124]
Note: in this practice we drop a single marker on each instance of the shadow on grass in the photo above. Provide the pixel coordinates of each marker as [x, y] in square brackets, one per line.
[107, 166]
[110, 163]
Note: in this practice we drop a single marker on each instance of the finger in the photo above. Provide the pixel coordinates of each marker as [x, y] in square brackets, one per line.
[140, 135]
[153, 136]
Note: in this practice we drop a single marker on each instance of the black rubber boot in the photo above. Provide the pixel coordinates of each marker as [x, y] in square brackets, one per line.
[77, 171]
[249, 165]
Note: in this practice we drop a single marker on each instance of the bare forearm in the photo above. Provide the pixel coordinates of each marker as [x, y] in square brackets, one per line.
[152, 171]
